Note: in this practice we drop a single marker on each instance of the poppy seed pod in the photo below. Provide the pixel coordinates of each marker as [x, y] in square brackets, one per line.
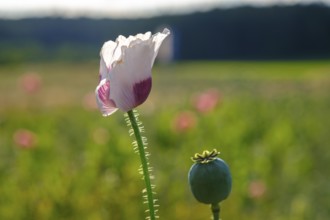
[209, 178]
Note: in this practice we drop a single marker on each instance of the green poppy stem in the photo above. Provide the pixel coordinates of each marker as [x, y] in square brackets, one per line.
[140, 141]
[215, 207]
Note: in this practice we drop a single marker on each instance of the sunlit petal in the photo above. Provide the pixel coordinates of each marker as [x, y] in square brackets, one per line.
[104, 70]
[134, 68]
[107, 52]
[158, 39]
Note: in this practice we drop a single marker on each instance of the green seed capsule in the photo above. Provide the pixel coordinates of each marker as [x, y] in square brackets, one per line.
[209, 178]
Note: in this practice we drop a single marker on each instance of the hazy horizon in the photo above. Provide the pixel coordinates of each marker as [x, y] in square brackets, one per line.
[17, 9]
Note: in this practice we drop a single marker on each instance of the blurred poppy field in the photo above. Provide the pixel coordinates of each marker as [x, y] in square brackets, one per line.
[60, 159]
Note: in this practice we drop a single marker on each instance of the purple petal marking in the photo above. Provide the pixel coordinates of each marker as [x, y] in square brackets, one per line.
[107, 105]
[141, 91]
[104, 92]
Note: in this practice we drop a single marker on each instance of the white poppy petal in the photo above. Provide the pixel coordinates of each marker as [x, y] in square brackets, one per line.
[105, 104]
[145, 36]
[103, 72]
[133, 70]
[158, 39]
[107, 52]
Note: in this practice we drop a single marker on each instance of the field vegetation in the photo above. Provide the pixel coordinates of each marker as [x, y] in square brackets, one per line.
[60, 159]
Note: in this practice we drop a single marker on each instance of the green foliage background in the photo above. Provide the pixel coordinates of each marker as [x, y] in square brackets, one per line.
[271, 126]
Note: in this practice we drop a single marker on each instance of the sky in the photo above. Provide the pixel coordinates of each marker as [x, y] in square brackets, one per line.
[14, 9]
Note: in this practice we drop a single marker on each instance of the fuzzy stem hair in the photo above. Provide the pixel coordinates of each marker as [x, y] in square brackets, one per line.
[140, 146]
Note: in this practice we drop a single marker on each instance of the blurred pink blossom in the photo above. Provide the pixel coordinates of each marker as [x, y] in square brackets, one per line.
[30, 83]
[257, 189]
[207, 101]
[184, 121]
[25, 138]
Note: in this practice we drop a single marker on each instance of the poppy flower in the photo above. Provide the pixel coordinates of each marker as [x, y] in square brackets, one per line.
[31, 83]
[184, 121]
[25, 139]
[257, 189]
[207, 101]
[125, 71]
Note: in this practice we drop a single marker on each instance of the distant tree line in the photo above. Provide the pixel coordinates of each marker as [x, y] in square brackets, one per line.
[242, 33]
